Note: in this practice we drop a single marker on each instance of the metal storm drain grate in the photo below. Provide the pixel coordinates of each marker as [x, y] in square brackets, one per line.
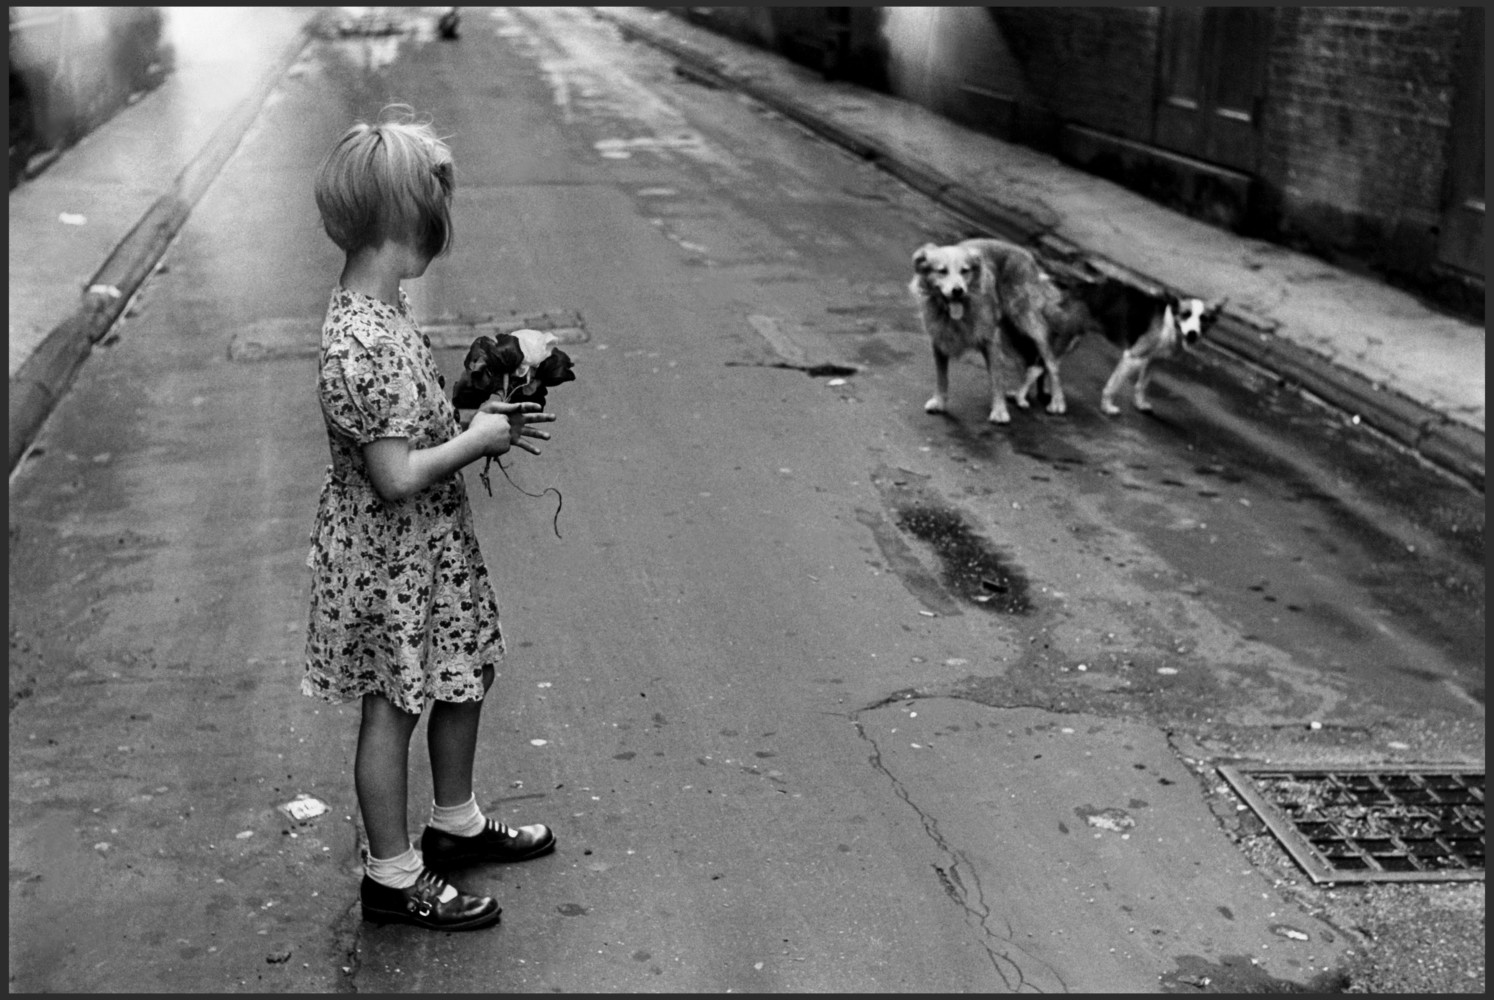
[1371, 824]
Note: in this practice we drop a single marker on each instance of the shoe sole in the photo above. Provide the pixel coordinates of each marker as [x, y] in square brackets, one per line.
[402, 917]
[465, 860]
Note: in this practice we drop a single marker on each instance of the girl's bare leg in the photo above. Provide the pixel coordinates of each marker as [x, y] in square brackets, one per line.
[381, 775]
[451, 738]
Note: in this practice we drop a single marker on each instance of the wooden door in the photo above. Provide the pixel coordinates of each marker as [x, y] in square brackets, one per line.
[1212, 77]
[1460, 241]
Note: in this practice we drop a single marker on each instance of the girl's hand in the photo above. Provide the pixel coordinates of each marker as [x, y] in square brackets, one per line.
[502, 426]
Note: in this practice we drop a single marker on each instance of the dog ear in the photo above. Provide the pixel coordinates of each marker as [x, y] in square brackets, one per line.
[1213, 310]
[921, 257]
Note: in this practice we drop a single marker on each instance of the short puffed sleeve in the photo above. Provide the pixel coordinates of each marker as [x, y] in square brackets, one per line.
[370, 389]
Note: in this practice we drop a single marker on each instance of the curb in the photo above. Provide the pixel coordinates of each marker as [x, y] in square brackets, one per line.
[1455, 448]
[43, 378]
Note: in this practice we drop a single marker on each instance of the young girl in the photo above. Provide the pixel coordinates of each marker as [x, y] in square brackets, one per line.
[402, 611]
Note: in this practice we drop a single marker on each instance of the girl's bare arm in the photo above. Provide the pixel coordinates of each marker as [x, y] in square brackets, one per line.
[398, 471]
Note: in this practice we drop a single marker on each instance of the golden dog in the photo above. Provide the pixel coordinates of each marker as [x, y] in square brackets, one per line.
[989, 296]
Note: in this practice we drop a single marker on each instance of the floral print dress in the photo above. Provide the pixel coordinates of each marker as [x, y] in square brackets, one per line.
[401, 602]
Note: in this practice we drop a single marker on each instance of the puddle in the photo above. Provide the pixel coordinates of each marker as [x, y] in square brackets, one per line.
[1240, 974]
[971, 567]
[827, 369]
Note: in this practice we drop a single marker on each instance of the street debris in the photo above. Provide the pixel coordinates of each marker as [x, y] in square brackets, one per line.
[72, 219]
[1112, 819]
[302, 808]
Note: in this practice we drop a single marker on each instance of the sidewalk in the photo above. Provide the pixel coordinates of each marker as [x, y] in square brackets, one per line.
[1366, 348]
[88, 231]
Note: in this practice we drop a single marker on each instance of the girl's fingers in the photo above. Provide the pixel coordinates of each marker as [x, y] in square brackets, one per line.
[529, 411]
[521, 443]
[542, 435]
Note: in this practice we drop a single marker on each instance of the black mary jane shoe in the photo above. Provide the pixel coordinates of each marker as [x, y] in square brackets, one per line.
[496, 843]
[421, 905]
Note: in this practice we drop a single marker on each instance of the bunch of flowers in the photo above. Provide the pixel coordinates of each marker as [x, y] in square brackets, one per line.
[518, 367]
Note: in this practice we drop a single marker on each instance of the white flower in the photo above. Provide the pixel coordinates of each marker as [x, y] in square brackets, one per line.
[536, 346]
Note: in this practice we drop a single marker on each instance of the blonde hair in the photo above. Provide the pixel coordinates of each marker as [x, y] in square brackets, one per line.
[391, 180]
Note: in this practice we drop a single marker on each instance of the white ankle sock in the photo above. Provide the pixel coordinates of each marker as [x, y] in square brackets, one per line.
[398, 872]
[401, 872]
[465, 820]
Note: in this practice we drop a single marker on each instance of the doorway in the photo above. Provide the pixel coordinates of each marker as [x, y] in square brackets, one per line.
[1460, 240]
[1212, 83]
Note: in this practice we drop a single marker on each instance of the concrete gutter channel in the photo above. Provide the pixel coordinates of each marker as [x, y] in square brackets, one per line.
[44, 377]
[1453, 447]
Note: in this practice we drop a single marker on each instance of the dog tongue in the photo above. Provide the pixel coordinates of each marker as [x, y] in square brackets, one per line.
[956, 310]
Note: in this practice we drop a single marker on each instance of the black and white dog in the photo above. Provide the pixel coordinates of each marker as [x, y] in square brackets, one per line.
[1146, 329]
[1146, 326]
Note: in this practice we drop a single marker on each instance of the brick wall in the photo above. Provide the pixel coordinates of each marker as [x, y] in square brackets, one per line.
[1356, 133]
[1095, 66]
[1355, 129]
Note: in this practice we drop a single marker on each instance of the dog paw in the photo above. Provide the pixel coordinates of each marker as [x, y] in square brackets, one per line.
[1143, 406]
[1110, 409]
[935, 405]
[1000, 416]
[1057, 406]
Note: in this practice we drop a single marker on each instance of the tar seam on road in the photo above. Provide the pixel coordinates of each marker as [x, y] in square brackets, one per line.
[970, 898]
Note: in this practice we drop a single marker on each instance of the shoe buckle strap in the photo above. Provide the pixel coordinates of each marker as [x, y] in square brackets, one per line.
[428, 890]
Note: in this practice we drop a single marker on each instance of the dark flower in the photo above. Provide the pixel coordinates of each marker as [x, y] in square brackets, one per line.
[555, 369]
[468, 393]
[506, 354]
[488, 360]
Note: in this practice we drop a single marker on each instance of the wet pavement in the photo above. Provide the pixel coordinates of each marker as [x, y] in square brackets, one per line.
[1412, 371]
